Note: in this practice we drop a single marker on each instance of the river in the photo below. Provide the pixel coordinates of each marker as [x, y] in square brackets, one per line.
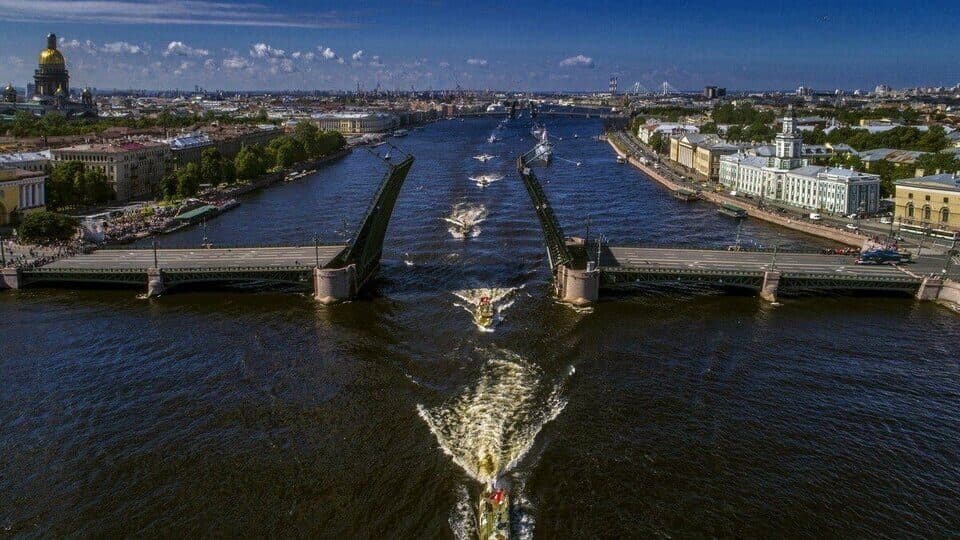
[671, 414]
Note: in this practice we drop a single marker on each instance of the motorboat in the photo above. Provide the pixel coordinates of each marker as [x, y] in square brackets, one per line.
[483, 158]
[483, 315]
[493, 514]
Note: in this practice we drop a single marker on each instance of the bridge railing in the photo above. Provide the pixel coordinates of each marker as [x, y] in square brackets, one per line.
[183, 244]
[743, 248]
[557, 250]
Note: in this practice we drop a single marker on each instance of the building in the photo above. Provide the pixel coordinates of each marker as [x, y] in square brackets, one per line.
[647, 131]
[356, 123]
[928, 202]
[188, 148]
[683, 148]
[21, 192]
[230, 139]
[706, 159]
[134, 169]
[787, 177]
[27, 161]
[50, 91]
[713, 92]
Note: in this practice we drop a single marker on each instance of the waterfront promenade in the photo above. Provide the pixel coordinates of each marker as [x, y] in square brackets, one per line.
[625, 146]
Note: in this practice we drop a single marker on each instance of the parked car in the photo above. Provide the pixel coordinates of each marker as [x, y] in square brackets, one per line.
[883, 256]
[853, 226]
[886, 220]
[815, 217]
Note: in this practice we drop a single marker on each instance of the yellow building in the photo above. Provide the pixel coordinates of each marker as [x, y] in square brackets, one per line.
[929, 202]
[21, 192]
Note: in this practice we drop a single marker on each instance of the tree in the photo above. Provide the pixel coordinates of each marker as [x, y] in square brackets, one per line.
[211, 166]
[61, 184]
[45, 227]
[308, 135]
[229, 172]
[96, 188]
[659, 143]
[250, 162]
[285, 151]
[188, 180]
[168, 186]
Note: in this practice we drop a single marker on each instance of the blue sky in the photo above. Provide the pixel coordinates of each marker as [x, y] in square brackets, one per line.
[299, 44]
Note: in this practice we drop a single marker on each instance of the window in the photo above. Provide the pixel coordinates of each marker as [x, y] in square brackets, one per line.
[944, 215]
[909, 210]
[927, 198]
[946, 200]
[909, 195]
[926, 213]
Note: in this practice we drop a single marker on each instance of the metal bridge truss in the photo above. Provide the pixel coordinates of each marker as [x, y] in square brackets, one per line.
[367, 247]
[296, 276]
[624, 278]
[557, 251]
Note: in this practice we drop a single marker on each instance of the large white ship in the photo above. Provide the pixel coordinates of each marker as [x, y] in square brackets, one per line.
[544, 149]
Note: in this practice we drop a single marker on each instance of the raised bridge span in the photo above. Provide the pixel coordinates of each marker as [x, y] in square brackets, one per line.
[333, 273]
[583, 271]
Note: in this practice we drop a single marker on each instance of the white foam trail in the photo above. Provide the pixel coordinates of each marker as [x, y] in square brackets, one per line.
[463, 520]
[466, 216]
[490, 427]
[485, 180]
[497, 295]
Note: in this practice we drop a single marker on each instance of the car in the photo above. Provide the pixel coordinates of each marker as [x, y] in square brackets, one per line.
[853, 226]
[851, 216]
[883, 256]
[815, 217]
[886, 220]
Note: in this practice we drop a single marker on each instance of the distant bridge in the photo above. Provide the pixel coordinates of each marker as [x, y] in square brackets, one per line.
[583, 271]
[333, 273]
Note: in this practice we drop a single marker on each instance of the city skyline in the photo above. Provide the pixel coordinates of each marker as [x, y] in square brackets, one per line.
[296, 45]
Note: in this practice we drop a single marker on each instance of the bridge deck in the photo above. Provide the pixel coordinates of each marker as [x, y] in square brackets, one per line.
[199, 259]
[632, 259]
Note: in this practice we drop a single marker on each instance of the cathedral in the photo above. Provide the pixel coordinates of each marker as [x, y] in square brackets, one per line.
[51, 82]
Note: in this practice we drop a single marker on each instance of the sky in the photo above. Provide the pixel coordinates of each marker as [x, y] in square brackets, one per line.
[515, 45]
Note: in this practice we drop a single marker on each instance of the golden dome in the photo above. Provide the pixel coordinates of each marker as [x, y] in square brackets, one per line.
[51, 57]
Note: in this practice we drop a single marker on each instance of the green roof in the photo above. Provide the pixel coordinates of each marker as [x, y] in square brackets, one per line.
[197, 212]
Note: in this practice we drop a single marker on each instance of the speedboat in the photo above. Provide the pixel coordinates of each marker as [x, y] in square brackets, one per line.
[493, 514]
[493, 138]
[483, 316]
[483, 158]
[621, 160]
[461, 228]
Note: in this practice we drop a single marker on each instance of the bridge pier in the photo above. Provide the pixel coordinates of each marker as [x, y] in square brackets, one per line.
[155, 285]
[771, 281]
[578, 287]
[10, 278]
[334, 285]
[930, 288]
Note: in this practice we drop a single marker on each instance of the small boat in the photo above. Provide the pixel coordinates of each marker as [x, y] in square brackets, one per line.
[493, 514]
[732, 211]
[483, 158]
[493, 138]
[686, 195]
[483, 316]
[621, 160]
[400, 133]
[461, 228]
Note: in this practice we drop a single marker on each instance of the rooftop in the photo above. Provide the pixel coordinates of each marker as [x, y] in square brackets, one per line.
[949, 181]
[112, 148]
[20, 157]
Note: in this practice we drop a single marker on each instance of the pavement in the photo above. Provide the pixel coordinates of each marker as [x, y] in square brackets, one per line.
[747, 261]
[199, 259]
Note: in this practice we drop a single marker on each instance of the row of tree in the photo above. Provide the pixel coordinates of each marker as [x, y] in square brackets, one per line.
[25, 124]
[251, 162]
[891, 172]
[901, 138]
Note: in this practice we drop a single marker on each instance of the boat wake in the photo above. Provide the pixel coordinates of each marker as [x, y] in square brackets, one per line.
[499, 298]
[465, 220]
[490, 427]
[485, 180]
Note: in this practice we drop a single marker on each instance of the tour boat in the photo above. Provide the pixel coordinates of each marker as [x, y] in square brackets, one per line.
[493, 514]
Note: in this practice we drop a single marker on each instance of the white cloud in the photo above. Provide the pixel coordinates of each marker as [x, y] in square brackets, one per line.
[577, 61]
[262, 50]
[122, 47]
[15, 61]
[205, 12]
[357, 55]
[375, 62]
[300, 55]
[210, 64]
[180, 48]
[340, 60]
[444, 65]
[281, 65]
[235, 62]
[75, 44]
[477, 62]
[327, 52]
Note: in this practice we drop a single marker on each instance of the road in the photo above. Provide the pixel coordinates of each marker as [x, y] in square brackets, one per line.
[195, 259]
[747, 261]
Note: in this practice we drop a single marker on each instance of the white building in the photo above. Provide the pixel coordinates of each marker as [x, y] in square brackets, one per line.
[647, 131]
[787, 178]
[354, 123]
[27, 161]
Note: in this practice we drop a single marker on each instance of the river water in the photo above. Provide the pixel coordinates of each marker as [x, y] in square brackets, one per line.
[671, 414]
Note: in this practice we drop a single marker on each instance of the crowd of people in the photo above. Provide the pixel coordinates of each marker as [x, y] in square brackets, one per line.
[26, 257]
[137, 224]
